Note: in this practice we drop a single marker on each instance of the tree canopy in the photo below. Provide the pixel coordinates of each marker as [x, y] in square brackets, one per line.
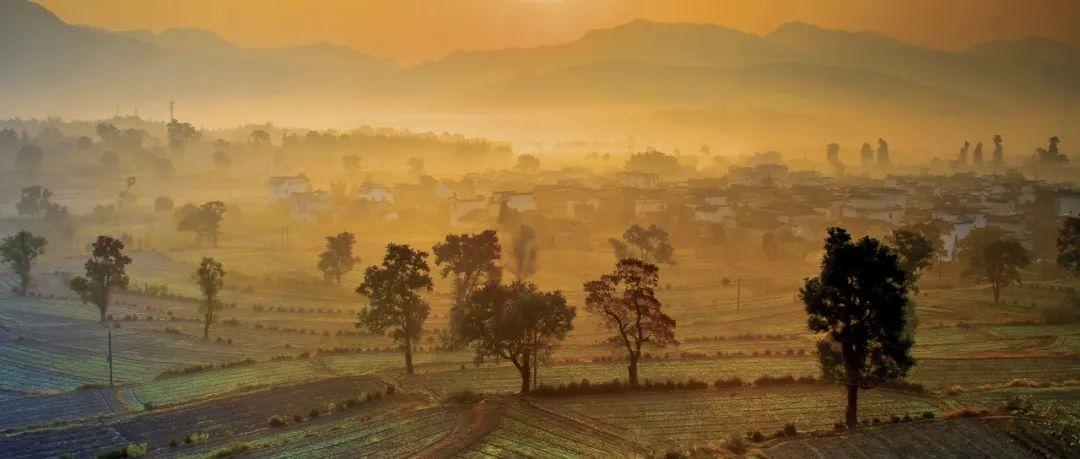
[648, 244]
[205, 222]
[18, 251]
[393, 291]
[625, 302]
[338, 259]
[859, 304]
[515, 322]
[211, 278]
[1068, 245]
[998, 262]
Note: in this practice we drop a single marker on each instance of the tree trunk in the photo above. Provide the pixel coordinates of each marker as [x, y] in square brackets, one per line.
[408, 356]
[24, 284]
[526, 371]
[997, 291]
[852, 417]
[206, 327]
[632, 368]
[110, 358]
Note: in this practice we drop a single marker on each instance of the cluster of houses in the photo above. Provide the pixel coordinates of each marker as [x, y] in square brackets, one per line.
[752, 201]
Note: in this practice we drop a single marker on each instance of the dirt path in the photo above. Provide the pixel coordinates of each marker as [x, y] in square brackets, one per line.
[482, 418]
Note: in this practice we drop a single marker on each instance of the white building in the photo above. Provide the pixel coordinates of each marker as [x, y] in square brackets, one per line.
[521, 202]
[462, 208]
[714, 213]
[282, 187]
[375, 193]
[1068, 203]
[644, 207]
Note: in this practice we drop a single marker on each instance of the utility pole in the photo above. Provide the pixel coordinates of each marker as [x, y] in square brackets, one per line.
[172, 105]
[110, 355]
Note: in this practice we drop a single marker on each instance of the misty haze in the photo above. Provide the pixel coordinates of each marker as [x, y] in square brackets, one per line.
[539, 228]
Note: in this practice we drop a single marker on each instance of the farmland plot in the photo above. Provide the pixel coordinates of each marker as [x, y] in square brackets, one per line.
[530, 432]
[945, 373]
[401, 436]
[205, 384]
[31, 366]
[22, 412]
[695, 416]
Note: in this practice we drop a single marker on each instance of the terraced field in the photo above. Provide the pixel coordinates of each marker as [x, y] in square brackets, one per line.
[698, 416]
[20, 412]
[200, 385]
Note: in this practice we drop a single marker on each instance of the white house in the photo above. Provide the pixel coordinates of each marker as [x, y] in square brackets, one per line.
[461, 208]
[309, 207]
[714, 213]
[282, 187]
[644, 207]
[1068, 203]
[520, 202]
[375, 193]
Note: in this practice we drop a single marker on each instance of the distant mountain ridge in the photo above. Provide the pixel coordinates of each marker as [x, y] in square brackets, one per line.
[46, 62]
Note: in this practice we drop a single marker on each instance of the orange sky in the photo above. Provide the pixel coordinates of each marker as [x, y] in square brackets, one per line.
[414, 30]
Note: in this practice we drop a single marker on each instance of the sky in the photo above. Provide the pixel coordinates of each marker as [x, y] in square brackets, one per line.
[412, 31]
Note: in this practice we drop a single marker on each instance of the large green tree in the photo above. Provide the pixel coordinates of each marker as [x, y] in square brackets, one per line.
[859, 303]
[18, 251]
[516, 322]
[211, 278]
[105, 270]
[916, 252]
[625, 302]
[393, 291]
[338, 259]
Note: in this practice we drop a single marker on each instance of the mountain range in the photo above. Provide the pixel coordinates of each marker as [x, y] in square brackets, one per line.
[49, 65]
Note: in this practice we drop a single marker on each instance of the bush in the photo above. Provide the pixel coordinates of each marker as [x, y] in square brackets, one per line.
[464, 397]
[173, 443]
[955, 390]
[755, 436]
[735, 444]
[928, 415]
[314, 413]
[197, 437]
[391, 390]
[790, 430]
[728, 383]
[231, 450]
[298, 418]
[276, 421]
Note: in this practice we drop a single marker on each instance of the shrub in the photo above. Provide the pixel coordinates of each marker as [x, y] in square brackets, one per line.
[894, 419]
[276, 421]
[728, 383]
[173, 443]
[391, 389]
[314, 413]
[928, 415]
[231, 450]
[955, 390]
[755, 436]
[464, 397]
[735, 444]
[790, 430]
[131, 450]
[197, 437]
[298, 418]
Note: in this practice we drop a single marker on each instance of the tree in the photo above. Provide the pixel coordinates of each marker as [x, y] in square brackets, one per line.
[654, 162]
[163, 204]
[205, 222]
[998, 262]
[29, 158]
[393, 292]
[126, 198]
[650, 245]
[107, 132]
[882, 153]
[18, 252]
[859, 302]
[527, 163]
[104, 270]
[523, 253]
[416, 166]
[977, 154]
[222, 161]
[259, 138]
[978, 238]
[180, 134]
[338, 259]
[916, 253]
[626, 302]
[999, 150]
[866, 154]
[1051, 155]
[211, 278]
[471, 260]
[36, 200]
[1068, 245]
[516, 322]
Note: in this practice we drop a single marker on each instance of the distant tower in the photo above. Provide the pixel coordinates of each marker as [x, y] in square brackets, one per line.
[882, 153]
[172, 106]
[962, 160]
[976, 156]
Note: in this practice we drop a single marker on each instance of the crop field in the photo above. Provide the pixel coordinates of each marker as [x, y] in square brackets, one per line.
[697, 416]
[199, 385]
[20, 412]
[401, 436]
[531, 432]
